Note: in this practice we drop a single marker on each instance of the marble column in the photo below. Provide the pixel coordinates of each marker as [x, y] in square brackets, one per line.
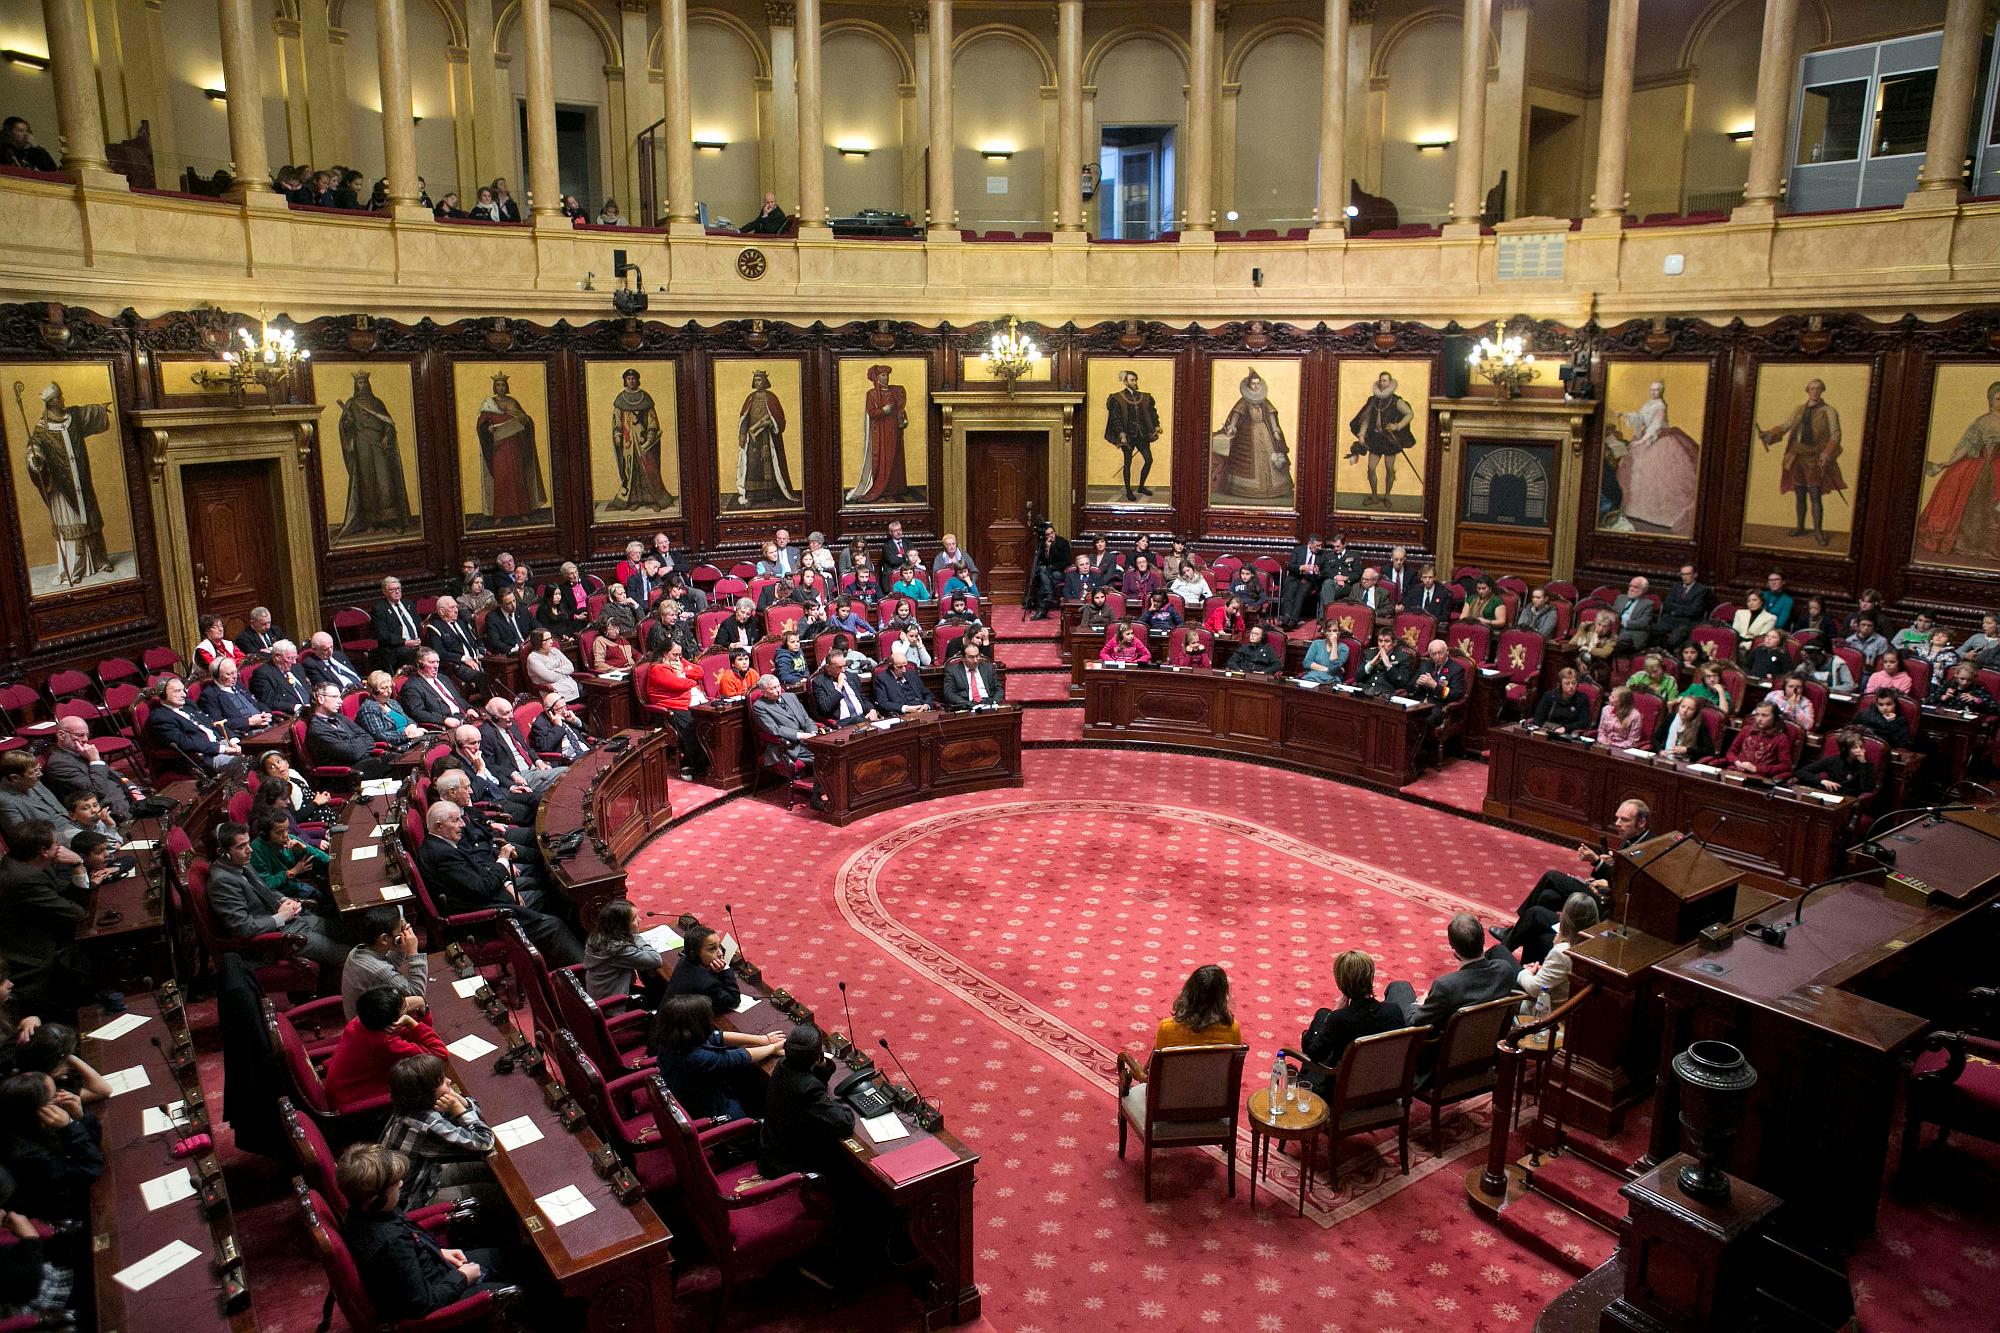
[243, 80]
[812, 137]
[79, 117]
[637, 102]
[780, 16]
[538, 47]
[486, 85]
[1069, 115]
[944, 146]
[1943, 174]
[1776, 74]
[399, 130]
[1200, 165]
[1621, 46]
[679, 126]
[1330, 207]
[1364, 139]
[1468, 194]
[916, 110]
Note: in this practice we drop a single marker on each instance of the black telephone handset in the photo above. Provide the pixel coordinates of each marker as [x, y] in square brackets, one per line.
[864, 1093]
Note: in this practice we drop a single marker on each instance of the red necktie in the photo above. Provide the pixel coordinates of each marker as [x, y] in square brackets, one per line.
[974, 686]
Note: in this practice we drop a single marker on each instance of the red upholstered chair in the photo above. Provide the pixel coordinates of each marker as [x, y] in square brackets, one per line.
[114, 670]
[1589, 689]
[1468, 1057]
[620, 1111]
[69, 684]
[1566, 591]
[160, 659]
[1270, 569]
[1467, 575]
[1186, 1097]
[274, 956]
[731, 588]
[1906, 708]
[288, 1031]
[1734, 682]
[1565, 618]
[705, 577]
[1469, 639]
[763, 659]
[1649, 707]
[474, 930]
[1177, 655]
[944, 641]
[743, 569]
[317, 1160]
[1723, 613]
[1370, 1089]
[1856, 664]
[1954, 1085]
[707, 623]
[163, 762]
[1520, 663]
[614, 1042]
[335, 777]
[755, 592]
[353, 629]
[1920, 676]
[1514, 585]
[483, 1309]
[746, 1222]
[1356, 622]
[1114, 603]
[1415, 630]
[777, 619]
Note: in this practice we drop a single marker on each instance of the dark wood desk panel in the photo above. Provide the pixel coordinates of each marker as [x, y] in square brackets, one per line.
[618, 801]
[356, 886]
[724, 728]
[613, 1259]
[975, 751]
[864, 768]
[123, 1229]
[125, 936]
[1322, 730]
[607, 705]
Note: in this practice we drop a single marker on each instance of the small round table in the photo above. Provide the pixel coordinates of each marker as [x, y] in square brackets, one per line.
[1299, 1122]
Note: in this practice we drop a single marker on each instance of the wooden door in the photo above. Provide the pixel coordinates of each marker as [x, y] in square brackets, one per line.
[1005, 471]
[233, 516]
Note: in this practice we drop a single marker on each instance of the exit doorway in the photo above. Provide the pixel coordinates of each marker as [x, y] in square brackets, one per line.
[579, 169]
[1135, 171]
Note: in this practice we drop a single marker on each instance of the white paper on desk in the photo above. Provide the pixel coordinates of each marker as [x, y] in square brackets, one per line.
[663, 939]
[471, 1047]
[173, 1255]
[170, 1188]
[514, 1135]
[1842, 698]
[883, 723]
[565, 1205]
[153, 1120]
[1825, 797]
[138, 845]
[885, 1128]
[380, 787]
[745, 1003]
[1305, 684]
[368, 853]
[379, 830]
[125, 1080]
[117, 1027]
[1406, 701]
[39, 726]
[393, 892]
[465, 986]
[1637, 753]
[730, 949]
[1708, 769]
[620, 674]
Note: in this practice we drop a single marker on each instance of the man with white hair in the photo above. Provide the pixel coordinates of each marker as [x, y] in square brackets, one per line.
[258, 633]
[396, 634]
[224, 701]
[460, 879]
[558, 730]
[457, 650]
[172, 725]
[1635, 615]
[489, 788]
[484, 836]
[817, 558]
[280, 685]
[898, 688]
[74, 765]
[781, 722]
[325, 664]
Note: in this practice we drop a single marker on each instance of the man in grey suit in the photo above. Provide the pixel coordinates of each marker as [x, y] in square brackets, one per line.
[782, 722]
[242, 906]
[23, 797]
[75, 765]
[1635, 615]
[1483, 974]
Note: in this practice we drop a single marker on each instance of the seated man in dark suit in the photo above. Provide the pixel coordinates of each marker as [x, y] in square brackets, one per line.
[972, 679]
[241, 905]
[172, 725]
[1387, 669]
[1483, 974]
[1534, 928]
[325, 664]
[259, 634]
[647, 582]
[782, 722]
[429, 699]
[505, 754]
[43, 905]
[507, 625]
[457, 649]
[75, 765]
[224, 701]
[565, 605]
[486, 827]
[1080, 580]
[803, 1128]
[1427, 595]
[898, 687]
[1303, 576]
[279, 685]
[396, 633]
[460, 880]
[558, 730]
[333, 738]
[1440, 678]
[841, 696]
[489, 790]
[1681, 609]
[1361, 1016]
[1372, 593]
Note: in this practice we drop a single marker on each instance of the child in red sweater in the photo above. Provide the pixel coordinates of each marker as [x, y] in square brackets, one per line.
[387, 1026]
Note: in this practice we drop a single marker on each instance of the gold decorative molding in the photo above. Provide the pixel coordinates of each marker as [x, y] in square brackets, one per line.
[457, 55]
[1049, 411]
[1360, 11]
[920, 21]
[781, 13]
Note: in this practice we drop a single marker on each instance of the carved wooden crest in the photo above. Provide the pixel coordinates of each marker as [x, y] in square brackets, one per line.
[882, 336]
[499, 337]
[1815, 337]
[361, 335]
[1385, 339]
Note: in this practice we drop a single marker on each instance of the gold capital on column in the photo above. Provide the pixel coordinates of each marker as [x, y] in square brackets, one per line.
[780, 13]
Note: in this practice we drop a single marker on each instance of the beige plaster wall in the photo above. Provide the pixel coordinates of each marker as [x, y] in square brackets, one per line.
[1277, 133]
[860, 107]
[998, 103]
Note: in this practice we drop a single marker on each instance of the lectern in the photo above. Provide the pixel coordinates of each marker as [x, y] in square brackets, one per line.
[1672, 888]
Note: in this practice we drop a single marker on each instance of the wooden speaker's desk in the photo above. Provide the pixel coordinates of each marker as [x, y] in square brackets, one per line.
[1782, 839]
[867, 767]
[1323, 730]
[616, 800]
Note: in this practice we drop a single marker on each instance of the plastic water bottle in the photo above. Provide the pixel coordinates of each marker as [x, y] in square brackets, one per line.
[1542, 1005]
[1277, 1085]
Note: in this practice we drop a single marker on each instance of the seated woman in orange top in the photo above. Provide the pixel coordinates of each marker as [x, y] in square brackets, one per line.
[1188, 648]
[737, 679]
[1763, 747]
[669, 688]
[1125, 644]
[1201, 1016]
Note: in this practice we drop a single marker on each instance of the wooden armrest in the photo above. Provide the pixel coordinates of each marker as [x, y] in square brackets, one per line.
[752, 1195]
[1128, 1073]
[1308, 1064]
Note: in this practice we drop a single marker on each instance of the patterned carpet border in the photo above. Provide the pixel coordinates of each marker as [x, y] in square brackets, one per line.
[1369, 1180]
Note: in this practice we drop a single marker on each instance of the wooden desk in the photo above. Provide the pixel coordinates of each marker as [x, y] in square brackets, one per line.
[607, 705]
[614, 1259]
[125, 936]
[1824, 1020]
[356, 886]
[865, 768]
[1783, 841]
[208, 1292]
[724, 728]
[618, 800]
[1323, 730]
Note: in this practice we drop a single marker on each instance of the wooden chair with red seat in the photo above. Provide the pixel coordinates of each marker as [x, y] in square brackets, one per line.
[156, 660]
[475, 931]
[1470, 640]
[614, 1041]
[1566, 591]
[1371, 1088]
[1467, 1061]
[728, 589]
[944, 641]
[274, 955]
[353, 630]
[763, 658]
[620, 1111]
[1519, 660]
[297, 1037]
[482, 1309]
[1271, 570]
[334, 777]
[1955, 1083]
[1356, 622]
[1649, 707]
[1920, 676]
[1186, 1097]
[707, 623]
[746, 1222]
[1414, 630]
[777, 619]
[1114, 604]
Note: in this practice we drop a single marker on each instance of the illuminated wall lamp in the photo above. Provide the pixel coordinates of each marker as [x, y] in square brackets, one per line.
[1742, 136]
[1432, 145]
[996, 154]
[215, 94]
[27, 58]
[852, 152]
[710, 145]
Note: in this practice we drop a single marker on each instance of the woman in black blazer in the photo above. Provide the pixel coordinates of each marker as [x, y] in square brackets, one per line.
[1361, 1016]
[1256, 654]
[701, 971]
[1565, 708]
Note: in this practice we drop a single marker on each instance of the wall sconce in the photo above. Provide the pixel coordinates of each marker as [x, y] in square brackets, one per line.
[29, 59]
[1742, 136]
[996, 154]
[215, 94]
[1432, 145]
[710, 145]
[850, 151]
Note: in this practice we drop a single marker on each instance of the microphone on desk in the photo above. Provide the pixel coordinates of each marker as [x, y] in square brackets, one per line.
[847, 1012]
[1968, 782]
[928, 1116]
[744, 965]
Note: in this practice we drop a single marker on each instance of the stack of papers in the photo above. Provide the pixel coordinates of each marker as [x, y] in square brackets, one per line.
[1406, 701]
[565, 1205]
[367, 852]
[380, 787]
[1709, 769]
[392, 892]
[137, 845]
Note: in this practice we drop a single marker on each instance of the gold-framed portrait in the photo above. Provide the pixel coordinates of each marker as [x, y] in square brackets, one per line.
[884, 429]
[1808, 426]
[368, 452]
[1381, 444]
[73, 501]
[757, 408]
[1958, 514]
[1128, 446]
[631, 426]
[500, 412]
[1253, 421]
[1649, 482]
